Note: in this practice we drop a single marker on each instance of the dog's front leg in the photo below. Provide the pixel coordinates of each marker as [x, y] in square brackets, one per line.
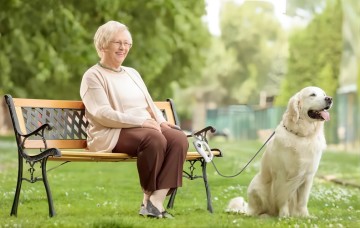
[282, 198]
[284, 210]
[303, 194]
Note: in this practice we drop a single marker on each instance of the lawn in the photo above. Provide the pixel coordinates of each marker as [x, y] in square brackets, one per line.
[108, 194]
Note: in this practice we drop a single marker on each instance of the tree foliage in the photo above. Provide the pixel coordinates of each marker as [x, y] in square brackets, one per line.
[315, 55]
[252, 32]
[46, 46]
[301, 8]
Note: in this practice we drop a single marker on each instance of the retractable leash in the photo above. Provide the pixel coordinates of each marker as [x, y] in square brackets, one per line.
[202, 147]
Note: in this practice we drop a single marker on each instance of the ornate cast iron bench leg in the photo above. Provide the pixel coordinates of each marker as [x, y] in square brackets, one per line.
[191, 176]
[32, 180]
[172, 199]
[47, 187]
[207, 188]
[18, 187]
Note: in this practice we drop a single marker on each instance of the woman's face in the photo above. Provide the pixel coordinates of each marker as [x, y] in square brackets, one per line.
[116, 51]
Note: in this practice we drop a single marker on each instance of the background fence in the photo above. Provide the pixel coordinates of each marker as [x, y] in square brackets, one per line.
[244, 122]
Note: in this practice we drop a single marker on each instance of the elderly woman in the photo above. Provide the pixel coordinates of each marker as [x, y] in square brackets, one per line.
[123, 118]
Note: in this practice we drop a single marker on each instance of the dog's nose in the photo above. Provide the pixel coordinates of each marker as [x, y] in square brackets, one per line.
[328, 100]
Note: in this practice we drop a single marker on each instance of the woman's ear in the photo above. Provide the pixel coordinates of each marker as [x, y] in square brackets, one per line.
[293, 108]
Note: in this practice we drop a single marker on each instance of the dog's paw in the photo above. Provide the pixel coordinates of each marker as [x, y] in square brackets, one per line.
[284, 212]
[302, 212]
[237, 205]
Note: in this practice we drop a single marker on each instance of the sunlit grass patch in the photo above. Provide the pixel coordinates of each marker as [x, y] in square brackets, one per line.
[108, 194]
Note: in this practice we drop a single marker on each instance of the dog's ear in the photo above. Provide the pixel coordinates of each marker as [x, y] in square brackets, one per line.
[293, 109]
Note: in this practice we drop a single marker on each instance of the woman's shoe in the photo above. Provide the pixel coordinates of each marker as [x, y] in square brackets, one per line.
[143, 211]
[152, 211]
[167, 215]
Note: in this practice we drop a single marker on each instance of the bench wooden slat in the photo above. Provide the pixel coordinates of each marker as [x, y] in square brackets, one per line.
[63, 144]
[20, 118]
[110, 157]
[40, 103]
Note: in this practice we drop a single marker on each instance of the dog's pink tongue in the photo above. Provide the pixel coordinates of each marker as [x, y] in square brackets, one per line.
[325, 115]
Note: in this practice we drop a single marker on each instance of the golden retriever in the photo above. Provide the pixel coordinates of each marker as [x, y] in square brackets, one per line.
[291, 159]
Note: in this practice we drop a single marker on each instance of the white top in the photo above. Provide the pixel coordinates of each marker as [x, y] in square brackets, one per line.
[134, 102]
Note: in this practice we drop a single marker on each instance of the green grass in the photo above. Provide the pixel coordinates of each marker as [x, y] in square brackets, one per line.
[108, 194]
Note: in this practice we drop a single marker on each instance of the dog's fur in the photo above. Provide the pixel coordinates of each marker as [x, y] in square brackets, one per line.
[291, 159]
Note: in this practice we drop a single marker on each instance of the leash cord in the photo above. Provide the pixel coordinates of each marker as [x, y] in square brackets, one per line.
[247, 163]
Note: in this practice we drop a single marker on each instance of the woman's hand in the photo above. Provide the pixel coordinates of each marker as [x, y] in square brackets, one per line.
[169, 125]
[151, 123]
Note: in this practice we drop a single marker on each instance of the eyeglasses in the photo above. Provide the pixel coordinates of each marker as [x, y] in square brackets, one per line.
[121, 43]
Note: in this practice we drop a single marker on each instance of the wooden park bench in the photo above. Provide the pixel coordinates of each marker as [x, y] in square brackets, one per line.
[56, 130]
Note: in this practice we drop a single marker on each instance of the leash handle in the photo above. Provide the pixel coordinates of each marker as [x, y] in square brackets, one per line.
[203, 148]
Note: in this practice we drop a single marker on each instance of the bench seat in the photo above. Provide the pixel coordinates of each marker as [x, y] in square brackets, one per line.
[56, 131]
[76, 155]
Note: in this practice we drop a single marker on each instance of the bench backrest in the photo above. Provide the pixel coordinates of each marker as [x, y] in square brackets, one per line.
[66, 117]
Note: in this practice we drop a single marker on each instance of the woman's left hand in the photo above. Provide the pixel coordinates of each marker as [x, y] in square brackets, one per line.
[169, 125]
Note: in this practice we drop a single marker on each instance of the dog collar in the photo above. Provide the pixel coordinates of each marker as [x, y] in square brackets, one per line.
[295, 133]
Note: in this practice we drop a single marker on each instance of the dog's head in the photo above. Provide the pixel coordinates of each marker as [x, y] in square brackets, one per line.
[311, 103]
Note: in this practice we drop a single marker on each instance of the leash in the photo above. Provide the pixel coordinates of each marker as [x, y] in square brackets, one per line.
[230, 176]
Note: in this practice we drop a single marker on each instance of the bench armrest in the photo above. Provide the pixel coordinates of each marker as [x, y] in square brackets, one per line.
[202, 133]
[43, 152]
[37, 132]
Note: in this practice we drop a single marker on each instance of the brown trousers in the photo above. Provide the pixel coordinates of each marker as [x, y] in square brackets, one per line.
[160, 156]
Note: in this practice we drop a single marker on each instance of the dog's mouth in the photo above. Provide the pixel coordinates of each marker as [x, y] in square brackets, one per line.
[320, 114]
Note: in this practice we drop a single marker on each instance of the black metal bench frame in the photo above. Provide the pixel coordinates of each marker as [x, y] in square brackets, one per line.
[47, 125]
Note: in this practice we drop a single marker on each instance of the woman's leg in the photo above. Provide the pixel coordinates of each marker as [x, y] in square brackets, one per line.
[170, 176]
[149, 146]
[160, 159]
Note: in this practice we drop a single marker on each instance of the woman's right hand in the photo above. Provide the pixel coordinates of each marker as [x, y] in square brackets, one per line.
[151, 123]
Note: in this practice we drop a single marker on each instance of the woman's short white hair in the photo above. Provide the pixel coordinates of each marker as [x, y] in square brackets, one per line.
[104, 34]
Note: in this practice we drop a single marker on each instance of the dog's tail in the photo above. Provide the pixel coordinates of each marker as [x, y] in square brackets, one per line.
[237, 205]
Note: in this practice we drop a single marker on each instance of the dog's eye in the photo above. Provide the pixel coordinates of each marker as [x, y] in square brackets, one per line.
[313, 95]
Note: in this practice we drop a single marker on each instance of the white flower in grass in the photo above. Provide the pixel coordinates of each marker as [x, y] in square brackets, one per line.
[231, 187]
[100, 188]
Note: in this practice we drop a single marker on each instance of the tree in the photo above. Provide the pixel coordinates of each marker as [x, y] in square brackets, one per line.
[315, 54]
[47, 45]
[300, 8]
[254, 34]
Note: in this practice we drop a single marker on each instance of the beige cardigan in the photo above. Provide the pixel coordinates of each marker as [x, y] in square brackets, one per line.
[103, 107]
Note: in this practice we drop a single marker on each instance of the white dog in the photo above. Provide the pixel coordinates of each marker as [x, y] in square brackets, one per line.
[291, 159]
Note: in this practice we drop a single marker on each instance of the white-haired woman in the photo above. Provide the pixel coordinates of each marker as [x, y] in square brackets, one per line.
[123, 118]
